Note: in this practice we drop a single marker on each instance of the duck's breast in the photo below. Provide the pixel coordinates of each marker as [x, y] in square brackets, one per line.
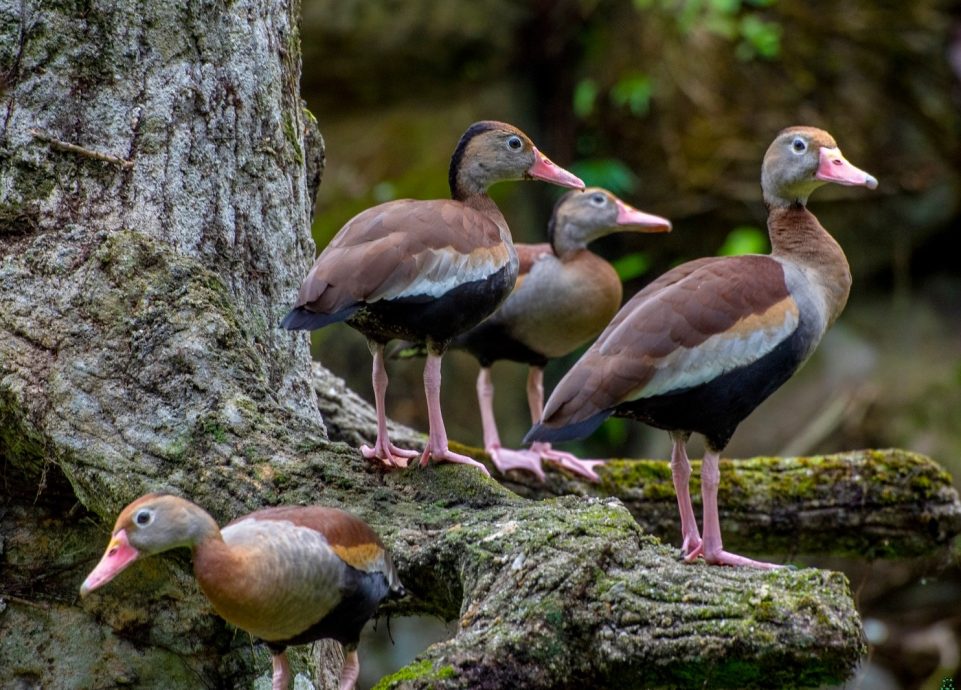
[274, 578]
[561, 304]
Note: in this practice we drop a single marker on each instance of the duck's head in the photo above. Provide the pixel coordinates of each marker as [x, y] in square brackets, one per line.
[491, 151]
[581, 217]
[152, 524]
[801, 159]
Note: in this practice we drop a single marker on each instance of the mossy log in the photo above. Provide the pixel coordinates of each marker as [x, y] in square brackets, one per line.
[139, 352]
[864, 504]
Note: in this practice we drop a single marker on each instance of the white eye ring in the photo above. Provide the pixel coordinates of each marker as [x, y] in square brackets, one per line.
[799, 146]
[143, 517]
[597, 199]
[514, 143]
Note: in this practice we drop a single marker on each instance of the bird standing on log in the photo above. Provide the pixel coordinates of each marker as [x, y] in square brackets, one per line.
[704, 344]
[564, 296]
[426, 271]
[288, 575]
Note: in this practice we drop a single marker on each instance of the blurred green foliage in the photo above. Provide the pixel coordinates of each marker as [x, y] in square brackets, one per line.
[610, 173]
[631, 266]
[735, 20]
[633, 91]
[745, 239]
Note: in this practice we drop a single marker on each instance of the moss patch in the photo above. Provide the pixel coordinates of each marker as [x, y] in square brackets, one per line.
[422, 671]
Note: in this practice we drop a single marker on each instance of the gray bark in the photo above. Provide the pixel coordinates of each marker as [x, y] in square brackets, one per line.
[139, 352]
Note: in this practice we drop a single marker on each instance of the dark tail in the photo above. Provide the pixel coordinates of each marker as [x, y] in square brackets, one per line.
[301, 319]
[570, 432]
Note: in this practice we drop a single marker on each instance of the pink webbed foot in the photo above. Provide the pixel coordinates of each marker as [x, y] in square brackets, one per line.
[692, 547]
[444, 454]
[583, 468]
[505, 460]
[389, 455]
[722, 557]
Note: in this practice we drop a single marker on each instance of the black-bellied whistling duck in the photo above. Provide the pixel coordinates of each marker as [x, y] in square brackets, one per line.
[564, 296]
[426, 271]
[288, 575]
[704, 344]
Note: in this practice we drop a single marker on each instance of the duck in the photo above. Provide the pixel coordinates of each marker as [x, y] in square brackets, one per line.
[288, 575]
[701, 346]
[425, 271]
[564, 296]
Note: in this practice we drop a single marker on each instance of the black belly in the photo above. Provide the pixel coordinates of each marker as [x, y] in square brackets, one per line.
[490, 342]
[715, 408]
[363, 593]
[437, 319]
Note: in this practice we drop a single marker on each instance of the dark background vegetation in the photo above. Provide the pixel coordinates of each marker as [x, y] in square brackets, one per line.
[671, 104]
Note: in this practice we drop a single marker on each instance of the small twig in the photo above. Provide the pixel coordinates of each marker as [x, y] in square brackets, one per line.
[25, 602]
[80, 150]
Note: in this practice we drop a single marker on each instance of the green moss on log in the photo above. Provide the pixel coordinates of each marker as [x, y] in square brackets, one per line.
[871, 503]
[422, 671]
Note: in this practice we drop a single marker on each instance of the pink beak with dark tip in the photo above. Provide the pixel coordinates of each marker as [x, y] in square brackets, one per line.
[544, 169]
[118, 556]
[645, 222]
[833, 167]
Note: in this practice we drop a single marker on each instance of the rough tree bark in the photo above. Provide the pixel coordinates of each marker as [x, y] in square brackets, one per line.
[154, 199]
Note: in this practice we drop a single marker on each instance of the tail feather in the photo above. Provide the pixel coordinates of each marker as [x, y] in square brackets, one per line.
[568, 432]
[302, 319]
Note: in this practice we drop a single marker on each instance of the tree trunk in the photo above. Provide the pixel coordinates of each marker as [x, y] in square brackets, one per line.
[155, 190]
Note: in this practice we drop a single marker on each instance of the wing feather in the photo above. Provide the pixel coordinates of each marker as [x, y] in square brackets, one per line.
[404, 248]
[683, 330]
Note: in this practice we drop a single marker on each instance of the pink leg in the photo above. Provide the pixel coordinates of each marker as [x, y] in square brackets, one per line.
[386, 452]
[542, 449]
[681, 472]
[437, 436]
[713, 550]
[502, 458]
[281, 679]
[348, 676]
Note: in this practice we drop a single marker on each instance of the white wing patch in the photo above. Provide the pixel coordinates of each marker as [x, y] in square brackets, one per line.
[443, 270]
[749, 340]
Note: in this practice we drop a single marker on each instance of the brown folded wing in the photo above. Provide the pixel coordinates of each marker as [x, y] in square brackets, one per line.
[688, 327]
[403, 248]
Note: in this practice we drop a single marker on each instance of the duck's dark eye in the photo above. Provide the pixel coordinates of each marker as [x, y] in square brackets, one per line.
[143, 517]
[597, 199]
[515, 143]
[799, 145]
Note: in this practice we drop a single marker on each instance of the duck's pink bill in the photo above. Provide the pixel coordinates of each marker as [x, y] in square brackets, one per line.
[628, 215]
[544, 169]
[118, 556]
[833, 167]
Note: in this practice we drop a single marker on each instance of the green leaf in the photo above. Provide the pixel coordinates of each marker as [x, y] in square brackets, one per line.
[609, 173]
[725, 6]
[585, 96]
[763, 38]
[745, 239]
[632, 265]
[633, 91]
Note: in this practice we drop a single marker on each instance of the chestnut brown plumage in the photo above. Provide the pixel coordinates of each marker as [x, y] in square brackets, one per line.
[288, 575]
[703, 345]
[425, 271]
[564, 296]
